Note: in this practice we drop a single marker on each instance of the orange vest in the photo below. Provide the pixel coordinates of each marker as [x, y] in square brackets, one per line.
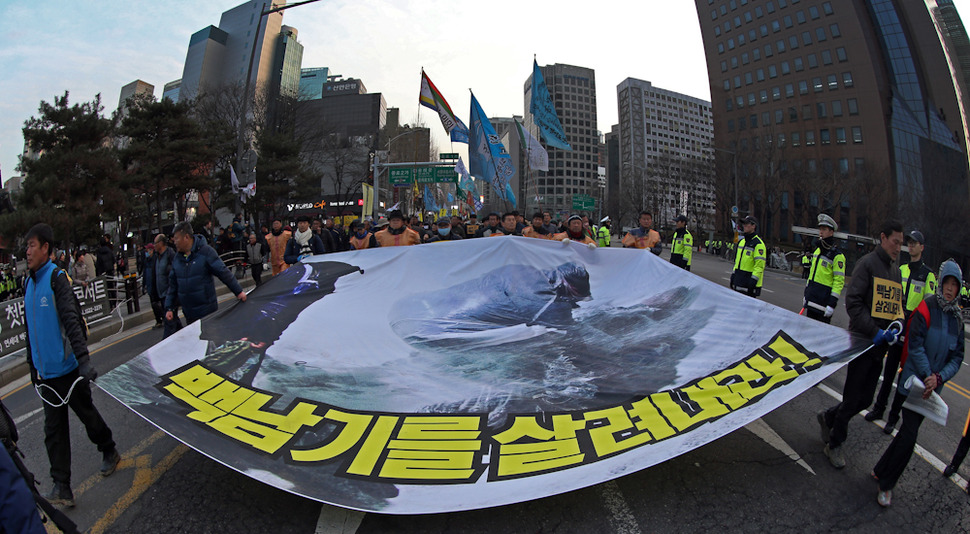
[529, 231]
[360, 244]
[406, 238]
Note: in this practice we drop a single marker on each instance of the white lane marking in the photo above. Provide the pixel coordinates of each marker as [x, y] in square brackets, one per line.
[621, 517]
[27, 416]
[940, 465]
[761, 429]
[336, 520]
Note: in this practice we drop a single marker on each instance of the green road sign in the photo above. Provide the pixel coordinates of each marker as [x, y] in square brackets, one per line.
[448, 155]
[400, 177]
[583, 202]
[445, 174]
[424, 175]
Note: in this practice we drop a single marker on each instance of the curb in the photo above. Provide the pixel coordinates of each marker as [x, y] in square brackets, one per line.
[16, 367]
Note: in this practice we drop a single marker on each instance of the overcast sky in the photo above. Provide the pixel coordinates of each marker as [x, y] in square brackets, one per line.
[86, 47]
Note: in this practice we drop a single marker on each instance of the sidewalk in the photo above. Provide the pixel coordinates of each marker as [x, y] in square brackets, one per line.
[14, 366]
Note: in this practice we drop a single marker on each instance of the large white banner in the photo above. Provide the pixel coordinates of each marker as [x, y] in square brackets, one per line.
[475, 373]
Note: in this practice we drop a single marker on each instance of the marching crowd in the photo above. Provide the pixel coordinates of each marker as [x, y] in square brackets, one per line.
[911, 314]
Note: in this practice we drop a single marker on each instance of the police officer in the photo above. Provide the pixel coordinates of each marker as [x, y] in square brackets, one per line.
[919, 282]
[806, 264]
[826, 273]
[749, 263]
[682, 245]
[603, 233]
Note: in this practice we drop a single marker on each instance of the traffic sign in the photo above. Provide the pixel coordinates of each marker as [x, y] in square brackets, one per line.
[401, 177]
[583, 202]
[445, 174]
[448, 155]
[734, 210]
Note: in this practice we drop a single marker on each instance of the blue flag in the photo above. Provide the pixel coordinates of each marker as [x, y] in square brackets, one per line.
[487, 156]
[429, 201]
[459, 134]
[509, 195]
[544, 112]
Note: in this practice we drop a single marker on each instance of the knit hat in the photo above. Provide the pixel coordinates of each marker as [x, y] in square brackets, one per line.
[949, 268]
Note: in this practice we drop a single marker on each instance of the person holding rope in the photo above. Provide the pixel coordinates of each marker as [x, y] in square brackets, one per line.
[60, 365]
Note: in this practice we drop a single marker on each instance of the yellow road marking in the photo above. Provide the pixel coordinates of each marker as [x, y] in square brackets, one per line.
[145, 476]
[960, 390]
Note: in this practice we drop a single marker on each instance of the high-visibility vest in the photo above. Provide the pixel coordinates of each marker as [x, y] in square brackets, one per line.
[681, 249]
[826, 278]
[916, 285]
[750, 260]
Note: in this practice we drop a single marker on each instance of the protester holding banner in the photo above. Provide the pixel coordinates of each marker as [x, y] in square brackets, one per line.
[397, 234]
[445, 231]
[873, 301]
[749, 263]
[492, 225]
[509, 225]
[304, 242]
[826, 274]
[919, 282]
[934, 354]
[644, 236]
[360, 238]
[575, 232]
[60, 365]
[190, 282]
[537, 229]
[276, 240]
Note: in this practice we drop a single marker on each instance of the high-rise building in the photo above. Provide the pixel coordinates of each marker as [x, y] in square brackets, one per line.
[665, 154]
[220, 56]
[286, 64]
[847, 108]
[134, 88]
[171, 90]
[611, 161]
[311, 82]
[572, 174]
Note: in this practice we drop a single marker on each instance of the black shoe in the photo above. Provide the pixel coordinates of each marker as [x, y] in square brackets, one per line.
[60, 494]
[110, 463]
[873, 415]
[890, 425]
[949, 470]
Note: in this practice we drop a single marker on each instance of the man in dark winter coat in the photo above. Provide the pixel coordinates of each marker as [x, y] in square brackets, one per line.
[190, 282]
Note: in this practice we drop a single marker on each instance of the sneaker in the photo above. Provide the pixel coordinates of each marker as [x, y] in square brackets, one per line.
[885, 498]
[835, 456]
[873, 415]
[110, 463]
[60, 494]
[948, 472]
[824, 427]
[890, 425]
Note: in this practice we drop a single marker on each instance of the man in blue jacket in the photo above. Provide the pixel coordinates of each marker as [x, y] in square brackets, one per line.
[190, 282]
[60, 365]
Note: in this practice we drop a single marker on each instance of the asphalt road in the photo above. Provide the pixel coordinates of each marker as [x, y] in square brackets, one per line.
[768, 477]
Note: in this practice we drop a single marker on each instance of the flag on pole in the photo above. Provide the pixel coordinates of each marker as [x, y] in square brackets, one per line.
[431, 98]
[234, 181]
[488, 158]
[250, 190]
[544, 112]
[429, 200]
[538, 156]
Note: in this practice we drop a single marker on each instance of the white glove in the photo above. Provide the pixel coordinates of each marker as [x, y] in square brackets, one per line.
[829, 311]
[565, 242]
[591, 246]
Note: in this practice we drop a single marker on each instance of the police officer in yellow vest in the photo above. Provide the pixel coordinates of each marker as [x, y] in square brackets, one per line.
[806, 264]
[603, 233]
[682, 245]
[918, 283]
[749, 263]
[826, 276]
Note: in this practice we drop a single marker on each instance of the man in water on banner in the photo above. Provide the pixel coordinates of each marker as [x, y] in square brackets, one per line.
[289, 294]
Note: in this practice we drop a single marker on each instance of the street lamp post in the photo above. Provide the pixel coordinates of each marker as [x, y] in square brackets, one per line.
[244, 112]
[377, 166]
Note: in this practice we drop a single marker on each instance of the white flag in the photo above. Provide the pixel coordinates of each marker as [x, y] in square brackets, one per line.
[538, 156]
[234, 181]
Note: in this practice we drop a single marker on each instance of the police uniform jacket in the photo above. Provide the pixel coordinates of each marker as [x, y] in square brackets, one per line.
[826, 278]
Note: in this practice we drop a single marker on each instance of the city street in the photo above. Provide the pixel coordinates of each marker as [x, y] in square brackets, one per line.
[769, 477]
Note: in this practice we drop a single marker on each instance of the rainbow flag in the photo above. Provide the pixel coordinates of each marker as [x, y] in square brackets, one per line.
[432, 98]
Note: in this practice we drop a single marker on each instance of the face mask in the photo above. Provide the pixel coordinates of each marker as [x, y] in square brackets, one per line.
[444, 231]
